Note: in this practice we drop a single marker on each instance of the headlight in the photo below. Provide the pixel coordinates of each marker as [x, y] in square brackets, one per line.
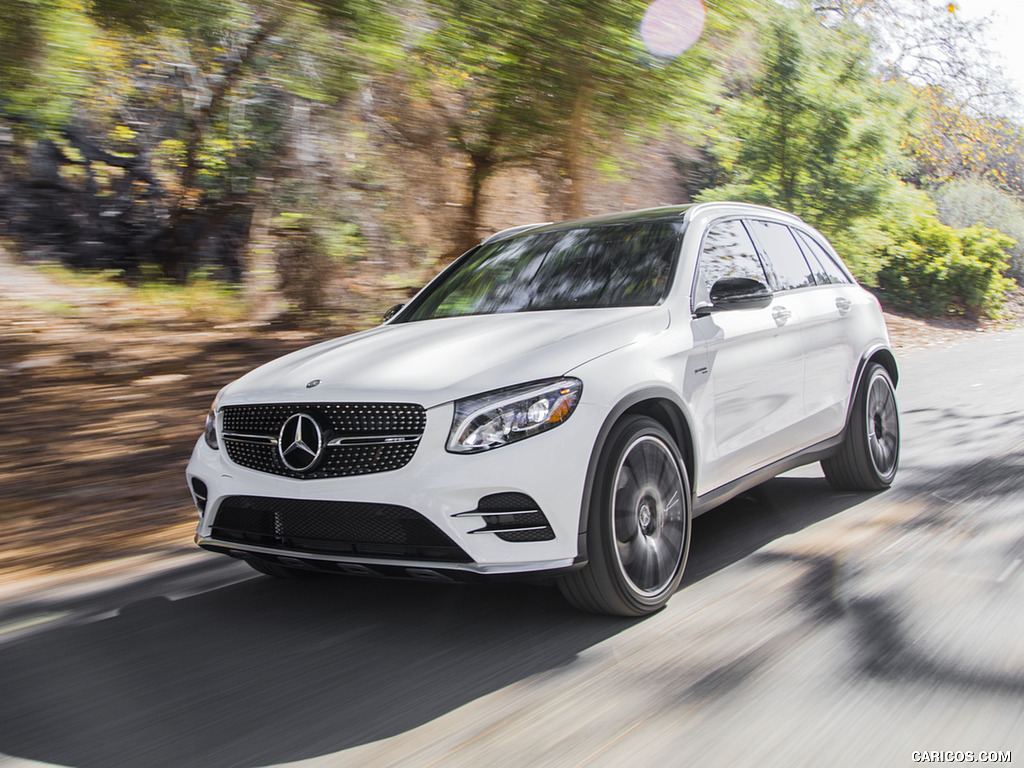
[504, 416]
[210, 430]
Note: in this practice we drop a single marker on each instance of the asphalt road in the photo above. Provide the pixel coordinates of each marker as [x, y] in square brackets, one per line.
[813, 628]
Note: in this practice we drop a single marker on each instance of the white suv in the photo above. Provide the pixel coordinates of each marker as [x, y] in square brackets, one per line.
[560, 401]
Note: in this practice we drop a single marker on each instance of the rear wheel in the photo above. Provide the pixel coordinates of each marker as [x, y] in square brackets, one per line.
[870, 453]
[639, 526]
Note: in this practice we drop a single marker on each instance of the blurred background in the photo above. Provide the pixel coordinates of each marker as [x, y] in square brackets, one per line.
[191, 187]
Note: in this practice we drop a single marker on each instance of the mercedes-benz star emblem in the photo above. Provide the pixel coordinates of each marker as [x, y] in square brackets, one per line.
[300, 443]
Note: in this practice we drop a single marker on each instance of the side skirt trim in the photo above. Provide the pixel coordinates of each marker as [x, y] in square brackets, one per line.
[814, 453]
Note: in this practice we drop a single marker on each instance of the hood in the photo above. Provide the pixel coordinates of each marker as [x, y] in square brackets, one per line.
[434, 361]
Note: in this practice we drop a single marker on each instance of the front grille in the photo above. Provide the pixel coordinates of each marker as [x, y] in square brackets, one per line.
[374, 437]
[334, 527]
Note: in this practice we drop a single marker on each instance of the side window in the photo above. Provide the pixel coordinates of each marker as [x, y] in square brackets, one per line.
[783, 254]
[825, 267]
[727, 251]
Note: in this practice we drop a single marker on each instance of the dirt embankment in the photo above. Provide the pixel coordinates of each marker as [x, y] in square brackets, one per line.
[103, 400]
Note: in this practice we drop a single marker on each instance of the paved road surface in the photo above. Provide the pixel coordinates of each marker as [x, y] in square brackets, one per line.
[813, 628]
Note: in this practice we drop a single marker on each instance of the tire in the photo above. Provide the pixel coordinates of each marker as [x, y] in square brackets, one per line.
[870, 454]
[281, 571]
[638, 533]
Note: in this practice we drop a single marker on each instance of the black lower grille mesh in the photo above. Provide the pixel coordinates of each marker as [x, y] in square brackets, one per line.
[506, 502]
[334, 527]
[538, 534]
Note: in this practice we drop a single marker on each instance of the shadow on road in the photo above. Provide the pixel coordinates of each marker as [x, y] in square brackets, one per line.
[777, 508]
[264, 671]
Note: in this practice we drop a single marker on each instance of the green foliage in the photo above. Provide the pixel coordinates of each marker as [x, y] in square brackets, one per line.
[52, 57]
[550, 78]
[934, 269]
[194, 112]
[863, 243]
[970, 202]
[814, 133]
[818, 135]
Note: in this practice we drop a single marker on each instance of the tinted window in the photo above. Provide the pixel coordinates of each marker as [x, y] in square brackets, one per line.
[825, 267]
[626, 265]
[784, 255]
[727, 251]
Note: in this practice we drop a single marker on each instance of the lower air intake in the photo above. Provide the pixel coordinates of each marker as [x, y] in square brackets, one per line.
[334, 527]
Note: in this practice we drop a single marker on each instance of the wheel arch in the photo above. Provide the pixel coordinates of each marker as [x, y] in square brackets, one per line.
[660, 404]
[878, 354]
[884, 357]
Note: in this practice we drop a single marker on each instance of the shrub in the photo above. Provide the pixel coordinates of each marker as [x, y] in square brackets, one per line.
[971, 202]
[934, 269]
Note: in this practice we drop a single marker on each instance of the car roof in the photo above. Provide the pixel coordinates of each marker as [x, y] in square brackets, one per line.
[661, 213]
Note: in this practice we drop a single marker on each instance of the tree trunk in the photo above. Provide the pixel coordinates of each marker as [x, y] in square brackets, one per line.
[575, 161]
[482, 165]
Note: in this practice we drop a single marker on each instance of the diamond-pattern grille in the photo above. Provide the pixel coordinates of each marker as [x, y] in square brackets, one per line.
[336, 420]
[334, 527]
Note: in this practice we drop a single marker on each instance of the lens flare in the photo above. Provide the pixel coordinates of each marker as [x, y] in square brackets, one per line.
[669, 27]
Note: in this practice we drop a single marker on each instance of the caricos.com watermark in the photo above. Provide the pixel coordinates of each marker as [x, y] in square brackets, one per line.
[960, 756]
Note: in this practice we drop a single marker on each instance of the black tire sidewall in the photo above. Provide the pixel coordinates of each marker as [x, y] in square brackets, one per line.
[859, 424]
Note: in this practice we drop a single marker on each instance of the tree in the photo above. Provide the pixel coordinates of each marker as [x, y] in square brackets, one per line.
[173, 111]
[930, 45]
[951, 142]
[541, 80]
[814, 133]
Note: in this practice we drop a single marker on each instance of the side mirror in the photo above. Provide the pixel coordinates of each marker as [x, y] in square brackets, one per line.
[392, 312]
[736, 293]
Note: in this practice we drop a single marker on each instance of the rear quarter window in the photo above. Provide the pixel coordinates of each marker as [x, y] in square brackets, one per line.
[826, 270]
[783, 255]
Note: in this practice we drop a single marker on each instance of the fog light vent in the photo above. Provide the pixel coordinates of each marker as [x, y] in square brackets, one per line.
[199, 493]
[513, 517]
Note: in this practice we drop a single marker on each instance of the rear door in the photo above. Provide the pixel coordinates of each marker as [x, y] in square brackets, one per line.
[833, 356]
[805, 285]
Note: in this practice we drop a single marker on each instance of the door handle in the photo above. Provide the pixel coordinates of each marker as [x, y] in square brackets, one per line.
[781, 315]
[843, 305]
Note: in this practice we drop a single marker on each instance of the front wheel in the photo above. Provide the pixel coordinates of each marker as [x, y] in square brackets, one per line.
[638, 531]
[870, 454]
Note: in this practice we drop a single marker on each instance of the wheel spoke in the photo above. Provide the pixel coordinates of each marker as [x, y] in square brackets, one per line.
[649, 516]
[882, 425]
[626, 494]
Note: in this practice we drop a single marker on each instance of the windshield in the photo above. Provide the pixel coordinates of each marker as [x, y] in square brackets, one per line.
[622, 265]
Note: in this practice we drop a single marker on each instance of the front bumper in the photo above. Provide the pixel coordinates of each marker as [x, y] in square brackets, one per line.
[443, 488]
